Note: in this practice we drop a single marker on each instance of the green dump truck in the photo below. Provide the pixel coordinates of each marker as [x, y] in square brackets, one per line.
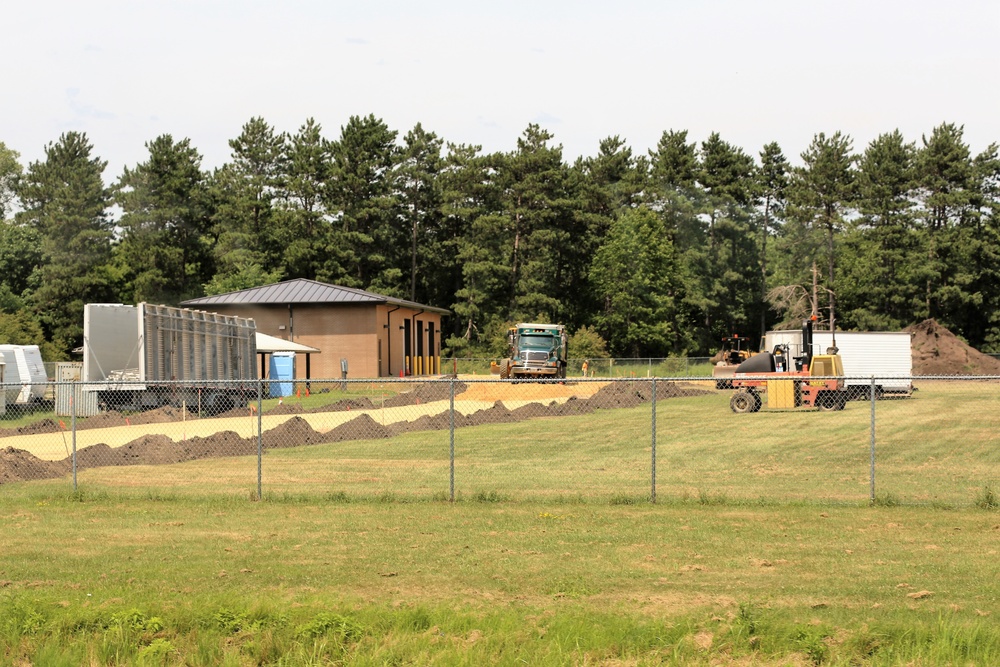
[535, 351]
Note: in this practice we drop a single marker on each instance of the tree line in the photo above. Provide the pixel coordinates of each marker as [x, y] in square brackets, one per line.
[656, 254]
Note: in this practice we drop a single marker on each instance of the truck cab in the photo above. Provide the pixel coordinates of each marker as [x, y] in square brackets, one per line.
[535, 351]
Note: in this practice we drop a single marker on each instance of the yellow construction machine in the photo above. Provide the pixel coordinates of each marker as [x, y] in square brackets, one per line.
[735, 350]
[808, 381]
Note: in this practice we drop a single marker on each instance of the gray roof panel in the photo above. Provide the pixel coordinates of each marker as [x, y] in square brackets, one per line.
[302, 291]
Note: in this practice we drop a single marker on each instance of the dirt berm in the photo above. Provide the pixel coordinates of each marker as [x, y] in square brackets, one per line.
[19, 465]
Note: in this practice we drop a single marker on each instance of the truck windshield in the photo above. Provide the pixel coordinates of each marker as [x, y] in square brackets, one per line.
[528, 342]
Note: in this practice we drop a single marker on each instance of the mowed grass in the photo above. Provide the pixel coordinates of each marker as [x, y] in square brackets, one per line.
[761, 550]
[98, 580]
[940, 447]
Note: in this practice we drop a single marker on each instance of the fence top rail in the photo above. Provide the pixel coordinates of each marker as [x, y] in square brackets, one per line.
[251, 384]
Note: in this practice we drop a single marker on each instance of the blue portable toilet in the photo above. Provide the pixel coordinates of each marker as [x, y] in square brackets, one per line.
[282, 373]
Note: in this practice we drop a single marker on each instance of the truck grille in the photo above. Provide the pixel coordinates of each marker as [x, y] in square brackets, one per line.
[535, 356]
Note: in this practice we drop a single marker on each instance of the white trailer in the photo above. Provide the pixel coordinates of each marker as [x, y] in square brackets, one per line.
[883, 354]
[24, 373]
[147, 355]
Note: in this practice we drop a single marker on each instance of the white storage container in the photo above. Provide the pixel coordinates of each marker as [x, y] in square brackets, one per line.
[884, 354]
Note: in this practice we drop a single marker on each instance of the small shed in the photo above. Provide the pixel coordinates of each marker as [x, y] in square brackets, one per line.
[371, 334]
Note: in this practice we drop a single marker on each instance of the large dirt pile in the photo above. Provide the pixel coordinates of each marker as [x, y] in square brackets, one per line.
[937, 351]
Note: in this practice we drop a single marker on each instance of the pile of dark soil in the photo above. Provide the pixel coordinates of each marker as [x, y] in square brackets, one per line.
[113, 418]
[291, 433]
[41, 426]
[362, 403]
[359, 428]
[285, 409]
[937, 351]
[424, 393]
[19, 465]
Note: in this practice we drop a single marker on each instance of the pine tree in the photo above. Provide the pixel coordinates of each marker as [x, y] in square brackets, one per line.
[542, 229]
[946, 184]
[360, 195]
[164, 250]
[772, 184]
[880, 260]
[244, 194]
[820, 196]
[674, 163]
[303, 222]
[419, 194]
[475, 235]
[65, 201]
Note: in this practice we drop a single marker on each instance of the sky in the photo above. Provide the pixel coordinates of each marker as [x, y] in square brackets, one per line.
[126, 72]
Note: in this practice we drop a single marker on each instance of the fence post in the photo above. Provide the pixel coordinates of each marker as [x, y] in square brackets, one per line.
[871, 492]
[451, 448]
[653, 466]
[260, 440]
[72, 426]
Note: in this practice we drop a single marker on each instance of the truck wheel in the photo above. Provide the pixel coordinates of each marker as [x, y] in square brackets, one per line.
[826, 401]
[744, 401]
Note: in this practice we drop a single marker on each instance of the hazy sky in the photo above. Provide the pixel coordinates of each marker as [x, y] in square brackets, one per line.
[126, 72]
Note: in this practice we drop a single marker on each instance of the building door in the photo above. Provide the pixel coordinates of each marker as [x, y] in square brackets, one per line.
[407, 347]
[431, 350]
[421, 361]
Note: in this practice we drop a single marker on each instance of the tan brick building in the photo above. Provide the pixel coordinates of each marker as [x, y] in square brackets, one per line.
[377, 335]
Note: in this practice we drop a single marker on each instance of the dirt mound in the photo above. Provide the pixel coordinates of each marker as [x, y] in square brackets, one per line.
[498, 414]
[285, 409]
[148, 450]
[424, 393]
[41, 426]
[362, 427]
[113, 418]
[438, 422]
[238, 412]
[362, 403]
[163, 415]
[96, 456]
[637, 392]
[110, 419]
[531, 410]
[225, 443]
[292, 433]
[572, 406]
[937, 351]
[17, 465]
[623, 395]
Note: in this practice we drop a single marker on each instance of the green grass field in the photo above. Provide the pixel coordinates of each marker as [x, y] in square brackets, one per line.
[761, 550]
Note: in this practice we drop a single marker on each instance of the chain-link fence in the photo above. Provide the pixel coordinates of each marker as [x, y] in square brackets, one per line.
[644, 367]
[920, 440]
